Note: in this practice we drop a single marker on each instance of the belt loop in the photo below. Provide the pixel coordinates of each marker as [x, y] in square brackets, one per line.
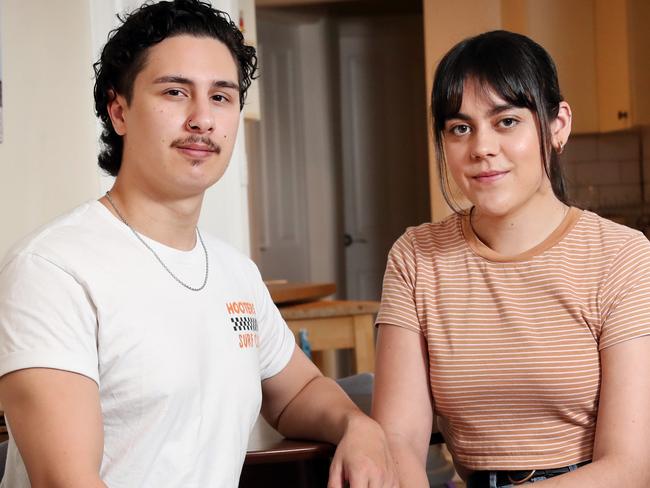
[493, 479]
[523, 480]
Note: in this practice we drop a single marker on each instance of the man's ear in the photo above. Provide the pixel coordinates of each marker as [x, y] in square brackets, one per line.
[561, 127]
[117, 108]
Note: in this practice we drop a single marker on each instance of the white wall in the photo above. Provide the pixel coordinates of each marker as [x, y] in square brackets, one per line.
[48, 156]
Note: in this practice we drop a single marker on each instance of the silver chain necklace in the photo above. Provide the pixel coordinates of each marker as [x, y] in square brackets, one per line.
[205, 250]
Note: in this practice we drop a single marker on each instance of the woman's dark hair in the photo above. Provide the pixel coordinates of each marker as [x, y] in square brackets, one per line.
[125, 55]
[519, 71]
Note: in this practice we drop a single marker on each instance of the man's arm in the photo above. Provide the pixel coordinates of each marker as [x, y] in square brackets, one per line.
[300, 402]
[402, 401]
[55, 419]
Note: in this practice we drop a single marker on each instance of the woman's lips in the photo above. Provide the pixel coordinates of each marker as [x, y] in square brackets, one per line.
[489, 176]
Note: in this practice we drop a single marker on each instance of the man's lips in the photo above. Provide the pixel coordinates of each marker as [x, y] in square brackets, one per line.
[197, 149]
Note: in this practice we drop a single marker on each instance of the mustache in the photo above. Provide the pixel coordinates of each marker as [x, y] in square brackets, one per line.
[195, 139]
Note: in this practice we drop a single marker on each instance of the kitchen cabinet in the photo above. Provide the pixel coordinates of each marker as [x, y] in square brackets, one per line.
[623, 54]
[445, 24]
[601, 48]
[248, 25]
[567, 31]
[291, 3]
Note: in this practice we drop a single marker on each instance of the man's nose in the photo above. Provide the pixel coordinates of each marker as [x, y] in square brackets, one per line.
[201, 119]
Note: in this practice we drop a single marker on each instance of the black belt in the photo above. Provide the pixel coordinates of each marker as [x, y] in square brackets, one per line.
[481, 479]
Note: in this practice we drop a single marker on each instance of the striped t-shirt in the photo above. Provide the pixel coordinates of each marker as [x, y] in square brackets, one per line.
[514, 342]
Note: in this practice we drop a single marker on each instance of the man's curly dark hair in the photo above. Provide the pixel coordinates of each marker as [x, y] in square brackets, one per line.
[125, 55]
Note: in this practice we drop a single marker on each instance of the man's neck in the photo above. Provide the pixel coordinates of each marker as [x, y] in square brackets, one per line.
[169, 221]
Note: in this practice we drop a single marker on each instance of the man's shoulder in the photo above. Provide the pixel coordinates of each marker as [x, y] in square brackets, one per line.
[68, 234]
[226, 253]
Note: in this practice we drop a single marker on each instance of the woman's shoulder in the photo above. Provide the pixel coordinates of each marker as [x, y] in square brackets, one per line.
[601, 242]
[593, 228]
[439, 234]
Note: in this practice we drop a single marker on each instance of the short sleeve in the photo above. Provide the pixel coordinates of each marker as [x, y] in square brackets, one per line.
[625, 296]
[276, 339]
[398, 306]
[47, 320]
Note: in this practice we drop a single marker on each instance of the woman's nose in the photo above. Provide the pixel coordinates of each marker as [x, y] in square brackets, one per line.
[484, 144]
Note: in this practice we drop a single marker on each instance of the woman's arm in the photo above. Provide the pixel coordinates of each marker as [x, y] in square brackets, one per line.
[301, 403]
[402, 401]
[622, 445]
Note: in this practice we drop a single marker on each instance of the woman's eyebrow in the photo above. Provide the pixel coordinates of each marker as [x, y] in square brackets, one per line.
[459, 115]
[504, 107]
[495, 110]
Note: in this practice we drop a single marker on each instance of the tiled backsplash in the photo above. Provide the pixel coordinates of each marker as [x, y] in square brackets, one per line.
[604, 173]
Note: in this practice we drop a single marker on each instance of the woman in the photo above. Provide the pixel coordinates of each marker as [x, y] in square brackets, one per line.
[522, 323]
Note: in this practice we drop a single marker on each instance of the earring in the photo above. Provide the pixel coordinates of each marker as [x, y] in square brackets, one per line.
[560, 147]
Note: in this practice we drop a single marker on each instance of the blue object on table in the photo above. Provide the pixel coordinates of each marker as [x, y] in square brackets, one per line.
[304, 342]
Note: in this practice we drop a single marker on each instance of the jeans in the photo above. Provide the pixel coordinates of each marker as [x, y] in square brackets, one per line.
[490, 480]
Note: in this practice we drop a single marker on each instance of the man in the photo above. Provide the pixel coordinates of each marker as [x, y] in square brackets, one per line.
[134, 351]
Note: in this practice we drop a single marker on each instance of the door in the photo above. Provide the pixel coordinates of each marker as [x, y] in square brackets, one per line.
[279, 173]
[383, 137]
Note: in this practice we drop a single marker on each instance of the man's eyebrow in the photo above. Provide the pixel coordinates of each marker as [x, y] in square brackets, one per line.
[186, 81]
[226, 84]
[497, 109]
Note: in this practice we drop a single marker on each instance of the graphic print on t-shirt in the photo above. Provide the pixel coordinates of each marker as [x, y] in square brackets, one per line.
[244, 322]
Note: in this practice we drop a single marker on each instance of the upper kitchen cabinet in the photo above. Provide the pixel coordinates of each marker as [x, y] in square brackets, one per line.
[623, 49]
[567, 31]
[601, 49]
[248, 26]
[445, 24]
[292, 3]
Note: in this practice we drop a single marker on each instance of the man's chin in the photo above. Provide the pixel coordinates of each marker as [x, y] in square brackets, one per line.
[197, 187]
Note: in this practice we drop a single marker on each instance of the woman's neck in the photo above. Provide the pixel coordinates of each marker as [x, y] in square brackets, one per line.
[520, 230]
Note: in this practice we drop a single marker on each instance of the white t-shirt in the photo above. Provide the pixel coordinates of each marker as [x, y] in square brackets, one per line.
[179, 372]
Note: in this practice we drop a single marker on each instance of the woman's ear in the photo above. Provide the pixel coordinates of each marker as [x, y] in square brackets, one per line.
[117, 108]
[561, 127]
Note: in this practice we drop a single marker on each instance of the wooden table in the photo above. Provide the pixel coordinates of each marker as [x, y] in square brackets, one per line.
[267, 445]
[336, 324]
[284, 292]
[296, 463]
